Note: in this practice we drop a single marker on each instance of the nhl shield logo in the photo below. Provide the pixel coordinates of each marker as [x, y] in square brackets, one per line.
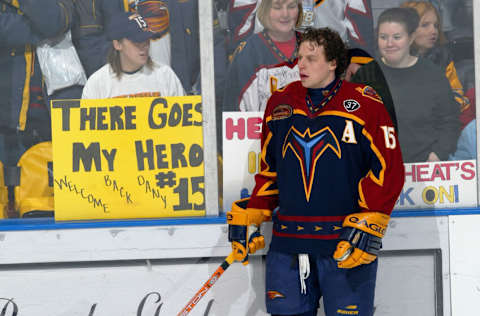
[351, 105]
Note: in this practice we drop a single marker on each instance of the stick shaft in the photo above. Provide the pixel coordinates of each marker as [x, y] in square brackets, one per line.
[207, 285]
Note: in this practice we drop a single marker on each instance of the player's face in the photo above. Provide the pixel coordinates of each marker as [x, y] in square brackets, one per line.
[132, 55]
[282, 19]
[426, 34]
[394, 44]
[315, 71]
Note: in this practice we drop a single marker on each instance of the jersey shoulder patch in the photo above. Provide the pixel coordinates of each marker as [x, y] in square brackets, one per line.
[370, 93]
[351, 105]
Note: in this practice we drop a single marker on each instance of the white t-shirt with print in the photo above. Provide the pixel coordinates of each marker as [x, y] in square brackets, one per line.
[160, 80]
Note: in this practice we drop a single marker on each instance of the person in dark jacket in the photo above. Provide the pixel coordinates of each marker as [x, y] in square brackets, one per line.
[88, 31]
[24, 24]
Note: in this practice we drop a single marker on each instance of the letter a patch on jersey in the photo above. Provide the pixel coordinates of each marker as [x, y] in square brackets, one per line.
[308, 148]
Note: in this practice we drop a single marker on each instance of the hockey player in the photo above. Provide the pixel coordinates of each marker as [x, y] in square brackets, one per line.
[331, 171]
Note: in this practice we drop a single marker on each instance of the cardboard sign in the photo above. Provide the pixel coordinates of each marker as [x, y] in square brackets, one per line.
[241, 154]
[128, 158]
[447, 184]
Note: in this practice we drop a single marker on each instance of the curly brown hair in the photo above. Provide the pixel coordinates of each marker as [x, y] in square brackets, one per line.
[333, 46]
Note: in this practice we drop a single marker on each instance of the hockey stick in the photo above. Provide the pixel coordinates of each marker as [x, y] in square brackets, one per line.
[207, 285]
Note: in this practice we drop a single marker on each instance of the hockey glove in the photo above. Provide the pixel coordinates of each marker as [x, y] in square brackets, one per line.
[361, 239]
[244, 238]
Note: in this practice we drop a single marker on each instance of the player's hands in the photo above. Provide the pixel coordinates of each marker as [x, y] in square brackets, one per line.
[244, 229]
[351, 254]
[361, 239]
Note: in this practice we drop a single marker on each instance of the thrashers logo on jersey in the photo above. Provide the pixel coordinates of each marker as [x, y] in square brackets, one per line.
[274, 294]
[308, 148]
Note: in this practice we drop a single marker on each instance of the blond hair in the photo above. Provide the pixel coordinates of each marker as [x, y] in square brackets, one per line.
[263, 12]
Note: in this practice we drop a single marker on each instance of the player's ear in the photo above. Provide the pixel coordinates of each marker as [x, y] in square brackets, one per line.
[333, 64]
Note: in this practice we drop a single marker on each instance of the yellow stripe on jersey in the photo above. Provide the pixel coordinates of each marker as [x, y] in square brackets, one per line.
[263, 156]
[264, 191]
[343, 114]
[378, 180]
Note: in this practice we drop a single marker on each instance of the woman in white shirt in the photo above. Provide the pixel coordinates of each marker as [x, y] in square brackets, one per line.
[130, 71]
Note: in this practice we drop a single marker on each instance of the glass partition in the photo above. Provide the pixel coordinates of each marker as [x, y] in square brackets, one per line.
[425, 51]
[139, 55]
[235, 64]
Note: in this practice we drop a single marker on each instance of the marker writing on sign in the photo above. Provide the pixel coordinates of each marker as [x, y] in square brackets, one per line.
[113, 184]
[97, 118]
[66, 184]
[92, 154]
[157, 158]
[116, 117]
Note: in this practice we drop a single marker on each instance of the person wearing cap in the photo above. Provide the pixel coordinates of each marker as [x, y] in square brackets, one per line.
[130, 71]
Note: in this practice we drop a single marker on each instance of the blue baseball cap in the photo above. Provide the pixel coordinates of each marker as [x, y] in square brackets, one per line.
[129, 25]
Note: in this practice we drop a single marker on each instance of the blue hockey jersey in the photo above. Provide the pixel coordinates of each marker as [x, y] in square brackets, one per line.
[320, 163]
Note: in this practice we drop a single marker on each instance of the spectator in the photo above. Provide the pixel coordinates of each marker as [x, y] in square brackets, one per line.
[176, 43]
[354, 22]
[430, 42]
[265, 61]
[25, 117]
[130, 72]
[467, 142]
[426, 112]
[157, 15]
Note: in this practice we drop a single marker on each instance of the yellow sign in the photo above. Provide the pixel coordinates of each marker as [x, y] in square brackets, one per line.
[128, 158]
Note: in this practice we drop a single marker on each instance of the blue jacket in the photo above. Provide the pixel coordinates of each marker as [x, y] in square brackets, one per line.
[88, 31]
[23, 23]
[467, 143]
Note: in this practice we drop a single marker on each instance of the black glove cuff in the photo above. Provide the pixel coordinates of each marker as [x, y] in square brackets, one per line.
[237, 233]
[362, 240]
